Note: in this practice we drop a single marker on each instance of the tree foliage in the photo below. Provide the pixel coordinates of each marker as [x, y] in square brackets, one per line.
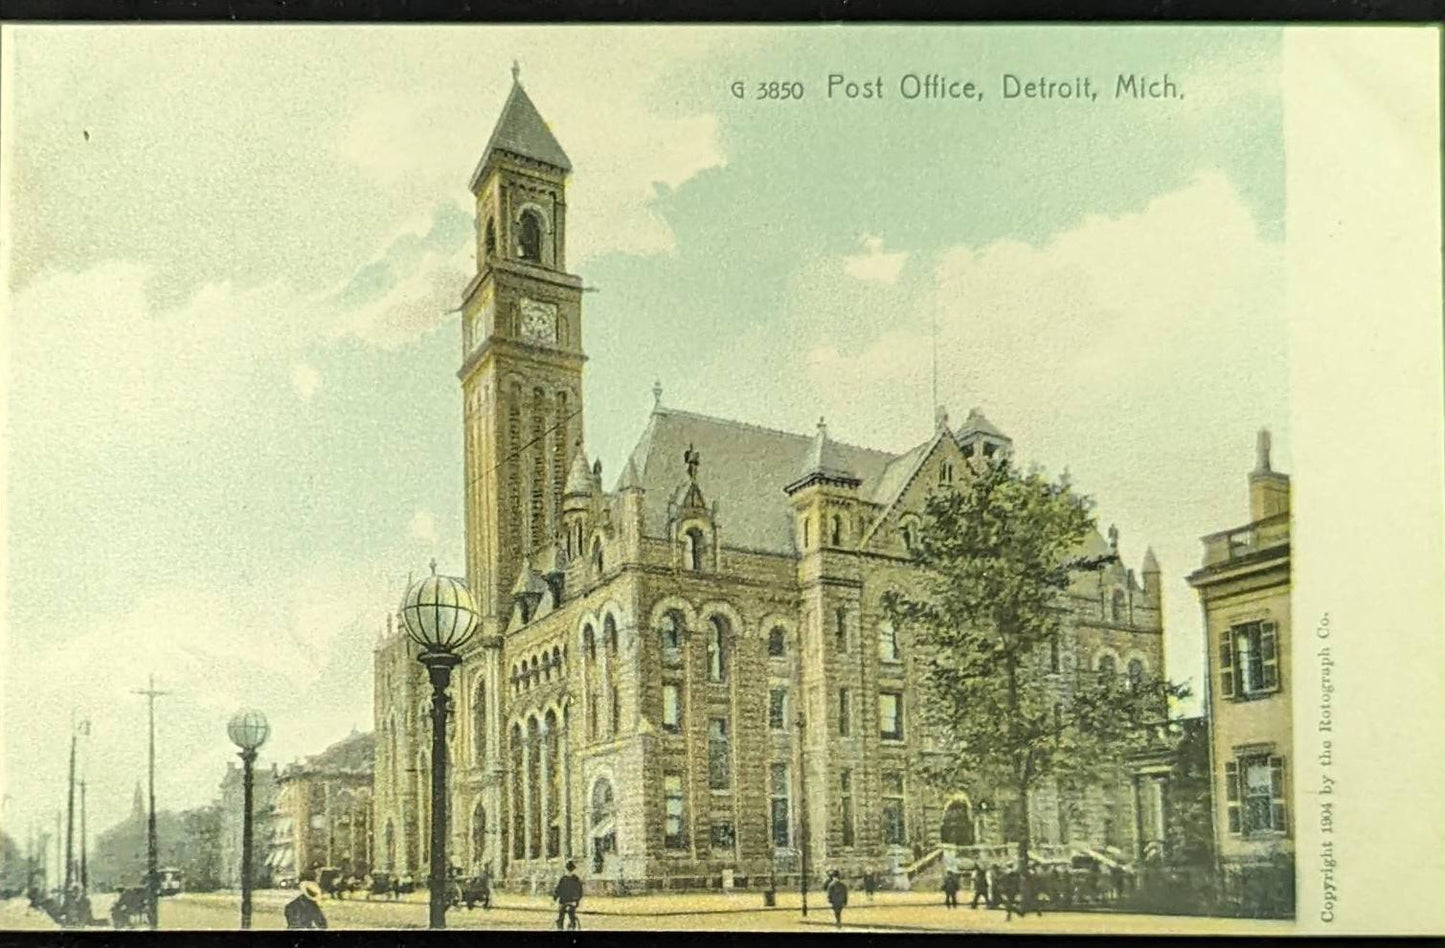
[999, 552]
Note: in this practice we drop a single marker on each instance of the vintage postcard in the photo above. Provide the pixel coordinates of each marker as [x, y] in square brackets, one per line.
[871, 478]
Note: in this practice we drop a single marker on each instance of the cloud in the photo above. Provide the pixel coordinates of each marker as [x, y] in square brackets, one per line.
[423, 526]
[305, 380]
[874, 263]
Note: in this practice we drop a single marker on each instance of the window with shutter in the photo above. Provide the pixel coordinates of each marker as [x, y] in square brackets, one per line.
[1269, 656]
[1226, 668]
[1231, 793]
[1279, 815]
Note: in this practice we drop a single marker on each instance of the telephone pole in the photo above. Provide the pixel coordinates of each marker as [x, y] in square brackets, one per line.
[70, 819]
[152, 857]
[84, 875]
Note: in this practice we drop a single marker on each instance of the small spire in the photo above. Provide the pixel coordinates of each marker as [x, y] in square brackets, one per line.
[1151, 563]
[940, 417]
[822, 426]
[657, 395]
[692, 459]
[516, 71]
[1113, 538]
[433, 565]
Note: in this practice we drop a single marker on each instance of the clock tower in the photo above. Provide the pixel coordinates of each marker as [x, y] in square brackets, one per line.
[522, 357]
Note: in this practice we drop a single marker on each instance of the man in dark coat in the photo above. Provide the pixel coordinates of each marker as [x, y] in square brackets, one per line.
[950, 888]
[980, 884]
[870, 883]
[837, 891]
[303, 911]
[568, 894]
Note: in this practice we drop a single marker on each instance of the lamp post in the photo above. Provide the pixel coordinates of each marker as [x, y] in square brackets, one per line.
[440, 617]
[248, 730]
[802, 816]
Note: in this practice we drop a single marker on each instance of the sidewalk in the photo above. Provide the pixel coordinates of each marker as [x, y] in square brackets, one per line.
[17, 915]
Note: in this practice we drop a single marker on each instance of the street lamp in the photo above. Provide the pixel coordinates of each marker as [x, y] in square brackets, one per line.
[802, 723]
[248, 730]
[440, 616]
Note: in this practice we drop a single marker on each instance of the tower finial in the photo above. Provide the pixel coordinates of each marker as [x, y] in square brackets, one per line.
[657, 394]
[516, 71]
[433, 565]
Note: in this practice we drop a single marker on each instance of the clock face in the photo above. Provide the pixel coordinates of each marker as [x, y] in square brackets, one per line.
[539, 322]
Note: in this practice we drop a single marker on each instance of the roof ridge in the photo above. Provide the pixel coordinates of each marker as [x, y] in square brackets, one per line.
[764, 428]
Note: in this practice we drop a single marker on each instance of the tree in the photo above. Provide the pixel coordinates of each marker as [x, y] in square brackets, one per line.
[998, 553]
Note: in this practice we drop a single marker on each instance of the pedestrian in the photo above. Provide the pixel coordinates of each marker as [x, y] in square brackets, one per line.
[980, 885]
[303, 911]
[950, 888]
[484, 888]
[837, 891]
[568, 894]
[1118, 878]
[991, 887]
[870, 883]
[1029, 900]
[1010, 892]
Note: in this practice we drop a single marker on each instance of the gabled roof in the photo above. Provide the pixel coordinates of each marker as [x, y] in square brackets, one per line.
[976, 423]
[521, 130]
[742, 469]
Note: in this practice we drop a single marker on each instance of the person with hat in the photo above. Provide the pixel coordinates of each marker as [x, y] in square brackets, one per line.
[304, 910]
[837, 891]
[568, 894]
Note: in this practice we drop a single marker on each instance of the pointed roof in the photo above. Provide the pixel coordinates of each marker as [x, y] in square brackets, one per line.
[826, 460]
[521, 130]
[579, 480]
[630, 479]
[529, 581]
[1151, 565]
[976, 423]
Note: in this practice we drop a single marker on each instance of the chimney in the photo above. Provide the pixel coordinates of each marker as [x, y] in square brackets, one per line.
[1268, 489]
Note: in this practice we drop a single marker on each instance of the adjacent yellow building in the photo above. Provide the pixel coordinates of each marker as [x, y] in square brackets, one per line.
[1244, 586]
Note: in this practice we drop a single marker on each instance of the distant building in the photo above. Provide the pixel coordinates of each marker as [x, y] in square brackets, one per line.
[1244, 586]
[322, 813]
[264, 788]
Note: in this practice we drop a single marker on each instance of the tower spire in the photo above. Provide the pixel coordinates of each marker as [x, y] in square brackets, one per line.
[516, 71]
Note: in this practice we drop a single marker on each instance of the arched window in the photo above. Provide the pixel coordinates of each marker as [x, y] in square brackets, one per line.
[490, 241]
[777, 642]
[888, 642]
[518, 811]
[603, 804]
[1136, 674]
[557, 658]
[529, 236]
[1119, 607]
[609, 637]
[597, 556]
[837, 530]
[908, 537]
[1107, 668]
[589, 642]
[479, 834]
[693, 549]
[479, 722]
[716, 642]
[670, 634]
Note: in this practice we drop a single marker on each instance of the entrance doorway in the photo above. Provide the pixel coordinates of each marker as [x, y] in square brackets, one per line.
[957, 829]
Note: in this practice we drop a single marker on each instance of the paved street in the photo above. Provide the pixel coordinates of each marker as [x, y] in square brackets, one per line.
[892, 911]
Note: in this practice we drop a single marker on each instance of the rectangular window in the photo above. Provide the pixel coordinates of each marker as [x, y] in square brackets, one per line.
[845, 713]
[1231, 795]
[778, 709]
[674, 836]
[722, 835]
[1249, 660]
[672, 708]
[842, 630]
[592, 717]
[890, 716]
[893, 827]
[845, 784]
[780, 822]
[719, 771]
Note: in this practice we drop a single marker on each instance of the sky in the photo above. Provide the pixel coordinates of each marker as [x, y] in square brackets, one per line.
[231, 255]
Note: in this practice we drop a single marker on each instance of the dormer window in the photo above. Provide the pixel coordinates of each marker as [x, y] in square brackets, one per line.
[908, 537]
[989, 449]
[529, 237]
[968, 450]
